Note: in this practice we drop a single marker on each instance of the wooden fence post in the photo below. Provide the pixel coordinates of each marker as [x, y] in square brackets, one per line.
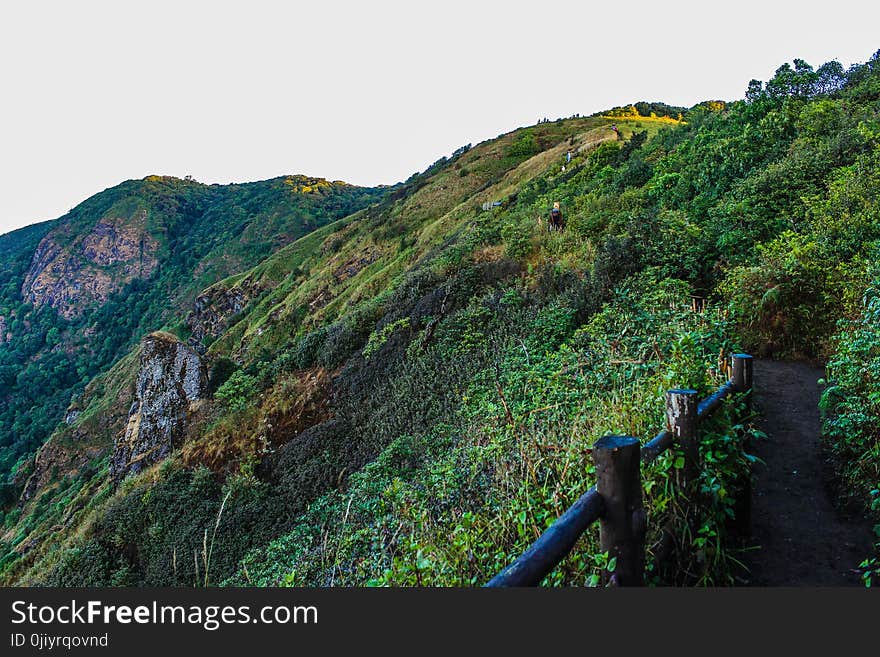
[743, 380]
[622, 526]
[682, 421]
[742, 372]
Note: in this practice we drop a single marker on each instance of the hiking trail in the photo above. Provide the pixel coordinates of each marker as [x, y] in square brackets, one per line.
[798, 536]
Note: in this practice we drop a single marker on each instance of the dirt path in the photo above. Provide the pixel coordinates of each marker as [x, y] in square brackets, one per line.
[803, 540]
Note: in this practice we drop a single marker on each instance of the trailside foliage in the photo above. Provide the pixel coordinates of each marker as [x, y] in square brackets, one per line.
[851, 410]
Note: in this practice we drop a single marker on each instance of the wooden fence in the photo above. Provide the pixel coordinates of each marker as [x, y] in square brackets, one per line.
[616, 499]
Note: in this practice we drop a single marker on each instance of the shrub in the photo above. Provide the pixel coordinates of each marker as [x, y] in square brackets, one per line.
[378, 338]
[526, 146]
[517, 235]
[220, 372]
[238, 392]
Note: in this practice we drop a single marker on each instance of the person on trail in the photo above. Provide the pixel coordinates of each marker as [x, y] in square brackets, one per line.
[556, 221]
[615, 130]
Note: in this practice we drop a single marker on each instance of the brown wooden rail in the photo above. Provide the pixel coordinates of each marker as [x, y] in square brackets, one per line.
[616, 499]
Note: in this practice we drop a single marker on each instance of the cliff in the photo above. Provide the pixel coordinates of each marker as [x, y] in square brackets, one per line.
[94, 265]
[215, 308]
[171, 382]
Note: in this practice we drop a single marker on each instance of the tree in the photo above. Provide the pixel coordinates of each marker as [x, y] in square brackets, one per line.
[755, 91]
[829, 78]
[799, 81]
[53, 336]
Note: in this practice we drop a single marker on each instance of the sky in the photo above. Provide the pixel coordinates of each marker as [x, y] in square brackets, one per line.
[93, 93]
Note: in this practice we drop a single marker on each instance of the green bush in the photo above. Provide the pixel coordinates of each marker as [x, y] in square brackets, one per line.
[238, 391]
[517, 236]
[525, 146]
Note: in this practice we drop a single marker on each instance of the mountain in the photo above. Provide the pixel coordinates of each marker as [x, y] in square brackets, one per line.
[324, 385]
[80, 291]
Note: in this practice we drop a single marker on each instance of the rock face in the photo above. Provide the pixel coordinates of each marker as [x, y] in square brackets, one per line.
[170, 384]
[86, 271]
[216, 306]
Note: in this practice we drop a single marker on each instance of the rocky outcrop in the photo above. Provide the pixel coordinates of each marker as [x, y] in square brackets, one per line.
[215, 307]
[366, 257]
[171, 382]
[92, 267]
[5, 335]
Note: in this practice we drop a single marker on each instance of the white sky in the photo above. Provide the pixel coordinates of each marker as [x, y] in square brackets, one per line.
[93, 93]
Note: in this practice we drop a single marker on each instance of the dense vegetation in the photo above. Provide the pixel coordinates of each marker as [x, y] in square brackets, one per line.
[411, 397]
[851, 405]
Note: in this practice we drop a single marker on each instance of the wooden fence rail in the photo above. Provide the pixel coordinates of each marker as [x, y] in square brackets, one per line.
[616, 499]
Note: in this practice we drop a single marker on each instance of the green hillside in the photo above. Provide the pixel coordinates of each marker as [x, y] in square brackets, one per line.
[406, 392]
[79, 291]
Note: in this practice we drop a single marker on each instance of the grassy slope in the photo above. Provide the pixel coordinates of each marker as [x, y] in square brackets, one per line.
[397, 235]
